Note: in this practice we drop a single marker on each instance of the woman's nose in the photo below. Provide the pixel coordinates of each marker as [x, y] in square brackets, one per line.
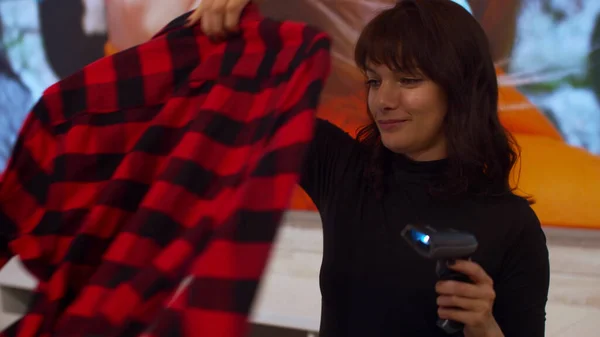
[387, 97]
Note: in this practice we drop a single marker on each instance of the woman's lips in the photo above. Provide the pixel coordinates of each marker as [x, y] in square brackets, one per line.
[390, 124]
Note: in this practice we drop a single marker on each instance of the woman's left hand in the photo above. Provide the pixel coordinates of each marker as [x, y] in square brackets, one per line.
[467, 303]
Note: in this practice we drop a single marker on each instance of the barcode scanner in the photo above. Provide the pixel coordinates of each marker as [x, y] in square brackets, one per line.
[445, 247]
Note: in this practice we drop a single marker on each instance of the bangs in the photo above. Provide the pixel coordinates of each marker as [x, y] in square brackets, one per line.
[397, 39]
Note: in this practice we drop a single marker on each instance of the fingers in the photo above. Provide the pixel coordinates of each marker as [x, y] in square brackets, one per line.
[463, 303]
[471, 311]
[462, 289]
[469, 318]
[212, 21]
[218, 17]
[197, 14]
[473, 271]
[232, 15]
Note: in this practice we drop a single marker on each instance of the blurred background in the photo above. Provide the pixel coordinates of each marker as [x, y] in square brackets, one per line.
[548, 64]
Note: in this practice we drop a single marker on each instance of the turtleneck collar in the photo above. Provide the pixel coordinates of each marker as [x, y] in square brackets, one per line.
[401, 162]
[407, 170]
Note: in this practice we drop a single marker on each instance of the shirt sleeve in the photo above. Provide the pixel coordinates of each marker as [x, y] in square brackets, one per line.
[24, 187]
[326, 160]
[522, 289]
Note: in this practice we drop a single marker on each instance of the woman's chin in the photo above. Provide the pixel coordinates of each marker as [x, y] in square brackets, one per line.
[396, 145]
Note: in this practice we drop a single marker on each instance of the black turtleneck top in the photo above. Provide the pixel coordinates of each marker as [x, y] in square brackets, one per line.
[373, 284]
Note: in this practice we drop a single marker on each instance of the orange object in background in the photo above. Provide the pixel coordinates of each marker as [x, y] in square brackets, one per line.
[564, 181]
[518, 115]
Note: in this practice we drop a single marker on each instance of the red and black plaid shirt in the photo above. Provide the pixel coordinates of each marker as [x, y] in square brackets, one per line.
[144, 192]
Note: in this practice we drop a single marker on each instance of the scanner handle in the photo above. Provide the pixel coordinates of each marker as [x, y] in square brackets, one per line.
[444, 273]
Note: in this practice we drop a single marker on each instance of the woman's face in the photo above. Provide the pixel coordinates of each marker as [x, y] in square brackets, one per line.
[409, 111]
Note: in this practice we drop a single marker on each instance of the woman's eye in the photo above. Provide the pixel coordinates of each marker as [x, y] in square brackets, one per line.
[371, 82]
[410, 81]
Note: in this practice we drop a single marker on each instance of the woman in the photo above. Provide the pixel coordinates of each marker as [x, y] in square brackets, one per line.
[434, 153]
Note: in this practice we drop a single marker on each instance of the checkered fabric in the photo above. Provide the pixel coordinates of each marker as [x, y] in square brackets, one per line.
[145, 191]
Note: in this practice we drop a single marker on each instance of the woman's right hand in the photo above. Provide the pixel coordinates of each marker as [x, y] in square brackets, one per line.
[218, 17]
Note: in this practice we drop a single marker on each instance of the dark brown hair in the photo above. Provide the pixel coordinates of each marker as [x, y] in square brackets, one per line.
[441, 40]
